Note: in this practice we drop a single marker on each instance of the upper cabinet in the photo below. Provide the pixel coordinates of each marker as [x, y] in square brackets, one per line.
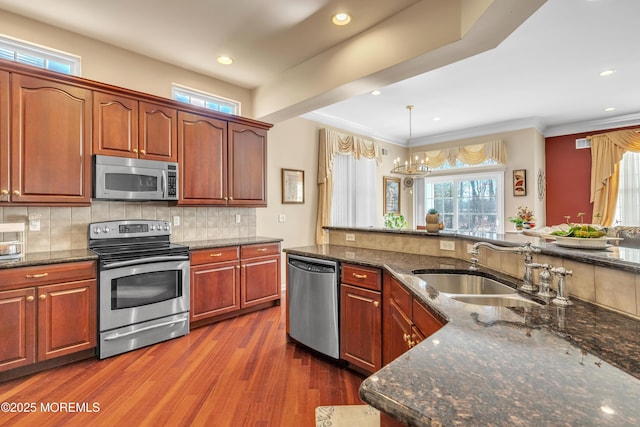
[4, 136]
[50, 142]
[221, 164]
[127, 127]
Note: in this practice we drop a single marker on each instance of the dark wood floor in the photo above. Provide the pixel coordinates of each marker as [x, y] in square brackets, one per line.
[240, 372]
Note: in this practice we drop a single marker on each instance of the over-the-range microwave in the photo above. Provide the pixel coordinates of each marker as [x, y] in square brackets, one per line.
[122, 178]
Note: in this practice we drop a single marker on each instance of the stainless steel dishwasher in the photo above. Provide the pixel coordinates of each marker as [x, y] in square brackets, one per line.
[314, 303]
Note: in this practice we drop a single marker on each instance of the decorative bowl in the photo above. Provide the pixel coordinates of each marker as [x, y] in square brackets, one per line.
[584, 243]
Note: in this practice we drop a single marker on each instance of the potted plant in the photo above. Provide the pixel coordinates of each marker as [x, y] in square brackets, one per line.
[433, 221]
[394, 221]
[523, 218]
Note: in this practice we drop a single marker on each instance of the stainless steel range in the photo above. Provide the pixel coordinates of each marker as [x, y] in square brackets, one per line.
[143, 284]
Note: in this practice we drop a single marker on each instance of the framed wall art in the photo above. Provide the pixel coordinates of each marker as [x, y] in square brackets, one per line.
[391, 195]
[292, 186]
[520, 182]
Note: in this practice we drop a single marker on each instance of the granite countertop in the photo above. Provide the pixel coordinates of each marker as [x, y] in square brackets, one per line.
[618, 257]
[546, 365]
[57, 257]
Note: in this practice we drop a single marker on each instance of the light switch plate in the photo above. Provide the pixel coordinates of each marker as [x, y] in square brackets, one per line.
[176, 221]
[350, 237]
[282, 218]
[446, 245]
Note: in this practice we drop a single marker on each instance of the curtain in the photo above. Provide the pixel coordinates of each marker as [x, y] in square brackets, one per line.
[627, 211]
[353, 203]
[607, 150]
[469, 154]
[332, 142]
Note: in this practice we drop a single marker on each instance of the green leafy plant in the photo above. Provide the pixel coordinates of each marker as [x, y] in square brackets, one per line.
[394, 221]
[432, 211]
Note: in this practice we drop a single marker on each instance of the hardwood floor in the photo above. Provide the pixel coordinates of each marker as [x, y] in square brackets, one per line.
[239, 372]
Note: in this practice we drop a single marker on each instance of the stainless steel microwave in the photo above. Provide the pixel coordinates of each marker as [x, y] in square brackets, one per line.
[122, 178]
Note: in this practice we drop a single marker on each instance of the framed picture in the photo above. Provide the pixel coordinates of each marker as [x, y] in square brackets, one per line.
[391, 195]
[520, 182]
[292, 186]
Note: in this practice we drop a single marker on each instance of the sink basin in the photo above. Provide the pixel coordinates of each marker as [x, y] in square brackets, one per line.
[463, 284]
[496, 301]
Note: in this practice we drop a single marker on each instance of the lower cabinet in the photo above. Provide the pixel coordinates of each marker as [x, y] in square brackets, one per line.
[361, 317]
[43, 316]
[406, 321]
[225, 281]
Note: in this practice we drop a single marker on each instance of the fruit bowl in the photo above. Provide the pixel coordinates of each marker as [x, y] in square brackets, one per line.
[584, 243]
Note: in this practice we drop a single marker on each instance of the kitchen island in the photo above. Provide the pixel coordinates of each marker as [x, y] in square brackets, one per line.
[545, 365]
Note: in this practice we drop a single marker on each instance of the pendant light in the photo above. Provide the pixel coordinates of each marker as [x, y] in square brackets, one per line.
[413, 167]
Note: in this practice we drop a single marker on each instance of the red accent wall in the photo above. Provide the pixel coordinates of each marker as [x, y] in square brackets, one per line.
[569, 177]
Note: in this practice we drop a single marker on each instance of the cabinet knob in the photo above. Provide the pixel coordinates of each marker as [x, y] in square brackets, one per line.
[4, 192]
[143, 152]
[376, 303]
[226, 198]
[16, 192]
[411, 343]
[230, 198]
[406, 337]
[238, 267]
[135, 150]
[42, 297]
[30, 298]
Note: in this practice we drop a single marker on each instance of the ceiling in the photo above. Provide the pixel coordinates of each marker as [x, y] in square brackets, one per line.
[503, 74]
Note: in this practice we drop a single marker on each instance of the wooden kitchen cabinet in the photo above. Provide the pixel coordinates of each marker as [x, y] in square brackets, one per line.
[127, 127]
[215, 282]
[50, 143]
[361, 317]
[260, 267]
[406, 322]
[43, 316]
[5, 157]
[247, 165]
[233, 280]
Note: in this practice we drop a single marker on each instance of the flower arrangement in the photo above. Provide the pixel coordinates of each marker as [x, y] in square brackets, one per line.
[394, 221]
[523, 215]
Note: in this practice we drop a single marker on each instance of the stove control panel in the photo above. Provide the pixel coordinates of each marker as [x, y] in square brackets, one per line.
[129, 228]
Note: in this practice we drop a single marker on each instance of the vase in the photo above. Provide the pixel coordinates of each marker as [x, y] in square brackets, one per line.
[519, 227]
[433, 223]
[526, 225]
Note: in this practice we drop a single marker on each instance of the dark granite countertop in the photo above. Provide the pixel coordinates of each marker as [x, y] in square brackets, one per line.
[547, 365]
[238, 241]
[46, 258]
[618, 257]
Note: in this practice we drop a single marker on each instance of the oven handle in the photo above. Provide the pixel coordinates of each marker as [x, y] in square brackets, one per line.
[146, 328]
[118, 264]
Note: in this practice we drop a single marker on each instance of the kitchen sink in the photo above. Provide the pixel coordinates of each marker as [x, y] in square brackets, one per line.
[465, 284]
[497, 301]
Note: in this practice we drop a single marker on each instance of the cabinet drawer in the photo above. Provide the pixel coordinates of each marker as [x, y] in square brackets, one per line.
[45, 274]
[253, 251]
[361, 276]
[426, 322]
[400, 296]
[207, 256]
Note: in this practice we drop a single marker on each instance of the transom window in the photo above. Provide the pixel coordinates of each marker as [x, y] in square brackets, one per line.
[205, 100]
[38, 56]
[465, 202]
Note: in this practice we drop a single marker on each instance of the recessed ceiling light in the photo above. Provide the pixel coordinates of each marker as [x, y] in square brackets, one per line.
[606, 73]
[609, 109]
[341, 18]
[225, 60]
[375, 92]
[436, 119]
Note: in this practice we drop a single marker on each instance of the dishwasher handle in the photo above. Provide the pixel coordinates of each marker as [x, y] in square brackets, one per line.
[313, 265]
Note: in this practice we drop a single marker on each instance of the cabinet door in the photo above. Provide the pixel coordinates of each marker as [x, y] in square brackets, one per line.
[397, 333]
[426, 322]
[247, 165]
[17, 328]
[115, 125]
[215, 289]
[202, 154]
[66, 318]
[50, 142]
[4, 137]
[158, 133]
[260, 280]
[360, 327]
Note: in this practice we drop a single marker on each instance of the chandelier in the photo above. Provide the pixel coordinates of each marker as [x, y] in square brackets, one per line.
[411, 167]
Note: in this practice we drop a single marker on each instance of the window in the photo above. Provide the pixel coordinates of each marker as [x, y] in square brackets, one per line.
[465, 202]
[38, 56]
[205, 100]
[354, 192]
[627, 211]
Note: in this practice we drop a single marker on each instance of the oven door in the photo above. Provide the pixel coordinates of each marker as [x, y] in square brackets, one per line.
[149, 289]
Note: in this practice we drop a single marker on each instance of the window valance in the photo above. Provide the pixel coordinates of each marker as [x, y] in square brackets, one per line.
[470, 154]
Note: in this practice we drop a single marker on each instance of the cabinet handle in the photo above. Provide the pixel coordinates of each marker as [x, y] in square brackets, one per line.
[411, 344]
[359, 276]
[143, 152]
[30, 298]
[16, 192]
[376, 303]
[238, 267]
[406, 337]
[4, 192]
[43, 297]
[216, 254]
[135, 150]
[36, 276]
[262, 250]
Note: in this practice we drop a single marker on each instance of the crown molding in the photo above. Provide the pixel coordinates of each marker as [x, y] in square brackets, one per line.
[591, 125]
[347, 125]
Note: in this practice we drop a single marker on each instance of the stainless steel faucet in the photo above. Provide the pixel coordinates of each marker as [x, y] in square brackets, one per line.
[526, 249]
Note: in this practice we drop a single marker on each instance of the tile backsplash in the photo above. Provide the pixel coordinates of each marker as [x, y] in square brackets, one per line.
[65, 228]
